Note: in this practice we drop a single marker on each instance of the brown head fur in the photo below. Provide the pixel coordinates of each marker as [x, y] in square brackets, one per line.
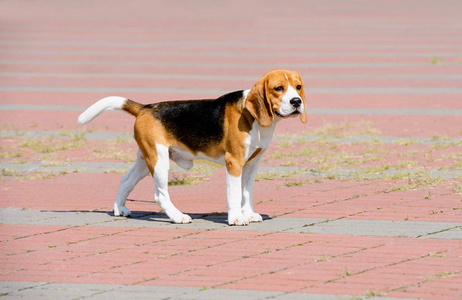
[262, 100]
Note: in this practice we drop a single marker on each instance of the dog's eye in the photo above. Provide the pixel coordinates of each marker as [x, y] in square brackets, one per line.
[299, 87]
[279, 88]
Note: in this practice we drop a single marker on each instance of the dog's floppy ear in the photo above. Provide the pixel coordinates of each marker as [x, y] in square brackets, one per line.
[259, 104]
[303, 116]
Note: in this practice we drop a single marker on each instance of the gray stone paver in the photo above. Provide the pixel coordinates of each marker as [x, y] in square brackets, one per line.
[357, 138]
[43, 290]
[411, 229]
[123, 167]
[386, 228]
[311, 111]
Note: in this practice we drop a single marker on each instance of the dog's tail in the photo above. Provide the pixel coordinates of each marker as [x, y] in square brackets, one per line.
[112, 103]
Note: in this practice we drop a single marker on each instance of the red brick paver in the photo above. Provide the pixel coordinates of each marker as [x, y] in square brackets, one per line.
[382, 144]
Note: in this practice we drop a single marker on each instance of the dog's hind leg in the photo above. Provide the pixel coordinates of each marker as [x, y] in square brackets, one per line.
[160, 176]
[128, 182]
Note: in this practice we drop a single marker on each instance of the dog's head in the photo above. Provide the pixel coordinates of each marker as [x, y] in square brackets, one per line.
[278, 94]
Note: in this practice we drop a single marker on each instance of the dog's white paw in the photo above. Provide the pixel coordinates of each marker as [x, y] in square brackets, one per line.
[238, 219]
[121, 211]
[181, 219]
[254, 217]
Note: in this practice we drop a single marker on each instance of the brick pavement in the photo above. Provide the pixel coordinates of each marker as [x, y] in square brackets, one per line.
[364, 201]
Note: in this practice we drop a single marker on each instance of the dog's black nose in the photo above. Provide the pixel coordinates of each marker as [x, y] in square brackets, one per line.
[296, 102]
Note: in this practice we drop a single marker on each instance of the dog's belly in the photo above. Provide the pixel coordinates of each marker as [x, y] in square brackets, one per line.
[185, 158]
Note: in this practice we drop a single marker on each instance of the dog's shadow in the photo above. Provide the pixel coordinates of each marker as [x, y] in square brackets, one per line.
[153, 216]
[215, 217]
[161, 217]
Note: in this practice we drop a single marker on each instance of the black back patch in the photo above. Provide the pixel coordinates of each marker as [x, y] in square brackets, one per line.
[196, 123]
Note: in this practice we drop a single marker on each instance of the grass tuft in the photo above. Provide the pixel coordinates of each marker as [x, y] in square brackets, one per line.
[186, 180]
[272, 175]
[373, 293]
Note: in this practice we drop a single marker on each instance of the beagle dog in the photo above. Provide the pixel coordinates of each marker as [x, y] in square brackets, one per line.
[234, 130]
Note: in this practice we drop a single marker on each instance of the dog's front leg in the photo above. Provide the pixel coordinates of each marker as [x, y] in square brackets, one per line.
[248, 176]
[162, 197]
[234, 192]
[234, 195]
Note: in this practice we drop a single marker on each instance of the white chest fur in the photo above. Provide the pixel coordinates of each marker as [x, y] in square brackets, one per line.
[259, 137]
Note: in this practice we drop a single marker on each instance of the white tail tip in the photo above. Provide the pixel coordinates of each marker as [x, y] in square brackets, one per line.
[105, 104]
